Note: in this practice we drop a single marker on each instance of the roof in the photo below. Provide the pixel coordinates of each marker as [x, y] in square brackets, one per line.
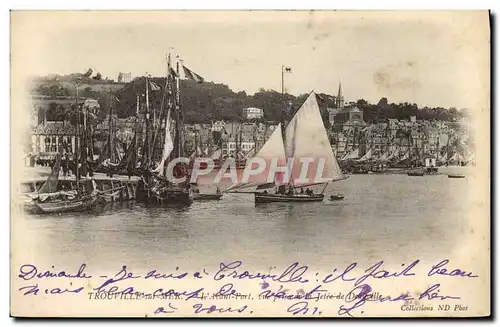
[55, 127]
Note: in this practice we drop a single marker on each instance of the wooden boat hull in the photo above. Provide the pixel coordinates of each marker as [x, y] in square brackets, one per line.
[415, 174]
[269, 198]
[336, 197]
[168, 196]
[206, 197]
[68, 205]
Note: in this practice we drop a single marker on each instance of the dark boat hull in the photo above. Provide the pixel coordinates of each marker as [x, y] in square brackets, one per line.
[456, 176]
[269, 198]
[172, 195]
[336, 197]
[206, 197]
[415, 174]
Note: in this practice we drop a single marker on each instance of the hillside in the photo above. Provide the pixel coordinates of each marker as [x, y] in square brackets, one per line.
[204, 102]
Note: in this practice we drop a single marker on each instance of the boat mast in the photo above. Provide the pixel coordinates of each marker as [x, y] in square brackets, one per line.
[110, 123]
[146, 152]
[77, 145]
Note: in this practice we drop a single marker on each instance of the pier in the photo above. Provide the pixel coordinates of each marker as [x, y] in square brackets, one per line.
[118, 188]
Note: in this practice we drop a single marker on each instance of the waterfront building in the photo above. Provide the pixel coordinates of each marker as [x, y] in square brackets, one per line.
[49, 136]
[253, 113]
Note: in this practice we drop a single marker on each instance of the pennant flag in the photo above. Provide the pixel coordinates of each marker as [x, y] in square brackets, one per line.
[287, 69]
[192, 75]
[88, 73]
[154, 86]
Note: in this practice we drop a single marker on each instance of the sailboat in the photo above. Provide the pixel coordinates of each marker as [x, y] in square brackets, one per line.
[154, 187]
[305, 136]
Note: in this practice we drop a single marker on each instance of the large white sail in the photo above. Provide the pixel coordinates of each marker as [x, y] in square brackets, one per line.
[306, 137]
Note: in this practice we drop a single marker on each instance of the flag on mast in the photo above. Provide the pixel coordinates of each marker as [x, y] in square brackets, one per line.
[189, 74]
[154, 86]
[287, 69]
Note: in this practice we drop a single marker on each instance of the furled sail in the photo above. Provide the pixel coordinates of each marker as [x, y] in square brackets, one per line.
[306, 137]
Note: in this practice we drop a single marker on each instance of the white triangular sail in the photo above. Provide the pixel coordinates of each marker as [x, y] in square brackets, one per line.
[168, 146]
[273, 149]
[353, 154]
[367, 156]
[306, 137]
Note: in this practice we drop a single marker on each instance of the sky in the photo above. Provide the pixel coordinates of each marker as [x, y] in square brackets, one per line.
[428, 58]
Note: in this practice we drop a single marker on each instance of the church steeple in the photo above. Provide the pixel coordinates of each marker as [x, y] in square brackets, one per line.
[340, 97]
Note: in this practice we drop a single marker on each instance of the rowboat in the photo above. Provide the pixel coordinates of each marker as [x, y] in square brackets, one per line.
[268, 198]
[82, 203]
[336, 197]
[456, 176]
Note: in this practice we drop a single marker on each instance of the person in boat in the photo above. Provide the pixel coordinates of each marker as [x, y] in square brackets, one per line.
[217, 191]
[290, 190]
[301, 190]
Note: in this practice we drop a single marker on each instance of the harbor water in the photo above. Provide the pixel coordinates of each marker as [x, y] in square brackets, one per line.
[382, 217]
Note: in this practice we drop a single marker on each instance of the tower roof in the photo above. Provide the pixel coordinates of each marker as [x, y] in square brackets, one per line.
[339, 94]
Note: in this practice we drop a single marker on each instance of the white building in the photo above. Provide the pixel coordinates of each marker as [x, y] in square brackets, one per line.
[229, 147]
[253, 113]
[124, 77]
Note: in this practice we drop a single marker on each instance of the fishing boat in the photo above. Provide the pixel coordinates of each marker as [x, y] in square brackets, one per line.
[415, 173]
[304, 137]
[67, 203]
[50, 199]
[154, 186]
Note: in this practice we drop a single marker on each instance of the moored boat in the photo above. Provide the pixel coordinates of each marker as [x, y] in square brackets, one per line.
[456, 176]
[61, 205]
[268, 198]
[336, 197]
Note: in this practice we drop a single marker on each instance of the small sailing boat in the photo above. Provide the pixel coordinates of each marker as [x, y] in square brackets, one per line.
[305, 136]
[48, 199]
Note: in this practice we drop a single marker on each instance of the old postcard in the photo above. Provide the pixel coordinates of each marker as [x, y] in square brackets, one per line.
[250, 164]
